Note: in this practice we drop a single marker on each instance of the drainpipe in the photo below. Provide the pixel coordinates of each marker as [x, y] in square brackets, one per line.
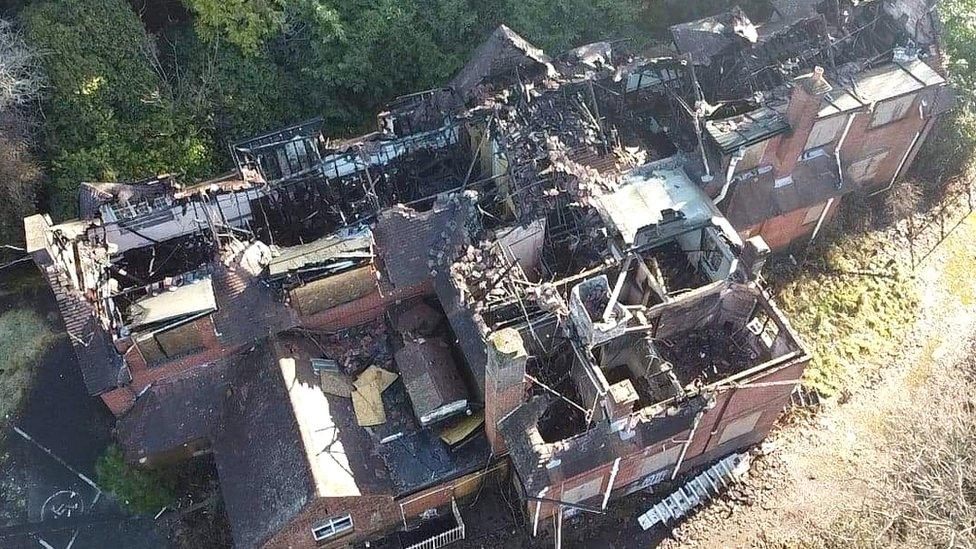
[538, 508]
[613, 477]
[823, 215]
[739, 155]
[684, 449]
[900, 164]
[840, 145]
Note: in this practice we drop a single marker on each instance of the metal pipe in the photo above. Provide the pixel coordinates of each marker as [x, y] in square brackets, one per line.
[613, 477]
[820, 220]
[684, 448]
[739, 155]
[840, 145]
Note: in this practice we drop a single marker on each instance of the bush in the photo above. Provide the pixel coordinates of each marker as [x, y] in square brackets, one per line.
[140, 491]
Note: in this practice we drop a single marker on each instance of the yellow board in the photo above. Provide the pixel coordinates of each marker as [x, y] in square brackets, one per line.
[459, 430]
[368, 405]
[376, 377]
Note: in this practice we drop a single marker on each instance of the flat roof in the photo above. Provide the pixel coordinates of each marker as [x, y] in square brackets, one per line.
[880, 83]
[352, 244]
[648, 191]
[194, 298]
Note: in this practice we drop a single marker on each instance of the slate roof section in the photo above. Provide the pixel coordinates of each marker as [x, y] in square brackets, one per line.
[469, 329]
[101, 365]
[264, 474]
[746, 129]
[880, 83]
[411, 244]
[499, 55]
[173, 413]
[247, 309]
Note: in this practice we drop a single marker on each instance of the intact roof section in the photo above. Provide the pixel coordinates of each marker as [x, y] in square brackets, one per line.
[174, 413]
[432, 379]
[885, 82]
[264, 474]
[101, 364]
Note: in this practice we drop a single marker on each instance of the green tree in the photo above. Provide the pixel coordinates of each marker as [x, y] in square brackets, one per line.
[108, 114]
[141, 491]
[230, 94]
[244, 23]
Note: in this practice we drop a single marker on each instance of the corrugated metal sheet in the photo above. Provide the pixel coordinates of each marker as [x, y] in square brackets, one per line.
[745, 129]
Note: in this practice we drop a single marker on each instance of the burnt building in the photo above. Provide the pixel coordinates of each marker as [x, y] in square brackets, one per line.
[546, 272]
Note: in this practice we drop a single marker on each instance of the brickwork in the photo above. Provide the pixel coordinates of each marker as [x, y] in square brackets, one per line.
[504, 382]
[894, 144]
[144, 374]
[374, 516]
[762, 405]
[119, 401]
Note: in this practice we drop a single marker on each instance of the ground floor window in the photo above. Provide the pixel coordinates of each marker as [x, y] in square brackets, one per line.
[332, 527]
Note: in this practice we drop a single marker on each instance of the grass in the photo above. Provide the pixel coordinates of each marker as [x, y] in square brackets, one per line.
[139, 490]
[24, 336]
[848, 304]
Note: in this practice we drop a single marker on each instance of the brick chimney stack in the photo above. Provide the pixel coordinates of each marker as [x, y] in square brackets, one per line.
[504, 381]
[801, 113]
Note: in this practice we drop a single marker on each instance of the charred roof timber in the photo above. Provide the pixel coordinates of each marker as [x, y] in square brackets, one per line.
[552, 260]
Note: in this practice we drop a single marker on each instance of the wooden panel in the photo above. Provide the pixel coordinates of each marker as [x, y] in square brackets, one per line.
[181, 340]
[325, 293]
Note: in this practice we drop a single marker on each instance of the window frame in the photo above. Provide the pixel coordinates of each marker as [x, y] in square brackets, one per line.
[892, 103]
[335, 526]
[839, 119]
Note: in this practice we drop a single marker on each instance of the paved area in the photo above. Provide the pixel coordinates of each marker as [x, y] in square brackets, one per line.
[48, 497]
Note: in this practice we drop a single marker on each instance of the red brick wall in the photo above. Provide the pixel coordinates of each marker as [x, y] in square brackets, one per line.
[364, 309]
[119, 401]
[730, 405]
[369, 514]
[143, 374]
[782, 231]
[896, 137]
[373, 516]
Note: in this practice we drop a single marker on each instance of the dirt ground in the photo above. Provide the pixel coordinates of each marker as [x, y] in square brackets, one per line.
[823, 469]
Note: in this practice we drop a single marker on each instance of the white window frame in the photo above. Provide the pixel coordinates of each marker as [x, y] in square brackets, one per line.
[825, 131]
[891, 110]
[333, 527]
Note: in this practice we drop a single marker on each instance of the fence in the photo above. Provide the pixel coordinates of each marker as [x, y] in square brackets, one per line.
[925, 236]
[444, 538]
